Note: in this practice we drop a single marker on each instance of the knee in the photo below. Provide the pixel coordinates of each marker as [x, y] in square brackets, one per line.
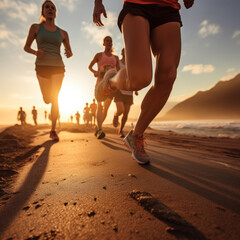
[139, 80]
[47, 99]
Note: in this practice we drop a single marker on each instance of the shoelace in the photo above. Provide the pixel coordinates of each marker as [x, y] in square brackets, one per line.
[140, 145]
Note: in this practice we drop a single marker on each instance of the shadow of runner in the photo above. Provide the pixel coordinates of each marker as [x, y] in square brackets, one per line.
[11, 209]
[218, 198]
[178, 226]
[114, 147]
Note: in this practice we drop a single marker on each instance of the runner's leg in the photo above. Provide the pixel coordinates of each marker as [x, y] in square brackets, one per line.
[166, 47]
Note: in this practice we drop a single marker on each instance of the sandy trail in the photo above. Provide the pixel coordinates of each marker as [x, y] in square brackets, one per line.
[83, 188]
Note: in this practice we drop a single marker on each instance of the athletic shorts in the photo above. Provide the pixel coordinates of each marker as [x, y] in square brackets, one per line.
[48, 71]
[126, 99]
[155, 14]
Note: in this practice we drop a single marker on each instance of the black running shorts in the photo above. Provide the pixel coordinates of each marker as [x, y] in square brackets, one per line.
[155, 14]
[48, 71]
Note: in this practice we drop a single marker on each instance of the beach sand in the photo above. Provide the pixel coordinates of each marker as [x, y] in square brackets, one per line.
[16, 148]
[20, 146]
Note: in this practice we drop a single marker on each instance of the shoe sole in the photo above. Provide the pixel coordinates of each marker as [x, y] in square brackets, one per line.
[133, 156]
[101, 136]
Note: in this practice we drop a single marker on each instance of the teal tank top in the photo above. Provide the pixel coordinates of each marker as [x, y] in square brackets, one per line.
[51, 43]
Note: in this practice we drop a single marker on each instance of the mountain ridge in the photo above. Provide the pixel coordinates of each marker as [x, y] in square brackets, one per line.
[220, 102]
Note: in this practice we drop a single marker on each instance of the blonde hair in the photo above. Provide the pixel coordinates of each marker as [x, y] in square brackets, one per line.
[42, 18]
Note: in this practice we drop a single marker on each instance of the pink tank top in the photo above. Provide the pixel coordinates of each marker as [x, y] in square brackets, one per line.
[163, 3]
[105, 60]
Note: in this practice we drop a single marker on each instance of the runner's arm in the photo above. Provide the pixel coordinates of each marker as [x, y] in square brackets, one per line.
[66, 43]
[30, 38]
[92, 63]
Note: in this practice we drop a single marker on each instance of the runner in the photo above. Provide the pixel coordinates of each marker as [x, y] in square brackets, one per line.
[77, 116]
[105, 61]
[93, 109]
[21, 116]
[146, 26]
[86, 114]
[49, 65]
[34, 115]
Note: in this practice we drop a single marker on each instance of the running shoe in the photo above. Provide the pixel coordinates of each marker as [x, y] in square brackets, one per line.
[101, 134]
[136, 145]
[96, 131]
[53, 135]
[103, 89]
[115, 121]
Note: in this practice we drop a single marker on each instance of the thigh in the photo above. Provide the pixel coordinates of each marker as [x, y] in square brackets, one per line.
[56, 80]
[45, 85]
[166, 46]
[136, 34]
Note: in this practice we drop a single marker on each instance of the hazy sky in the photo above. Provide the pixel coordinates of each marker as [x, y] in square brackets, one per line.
[210, 50]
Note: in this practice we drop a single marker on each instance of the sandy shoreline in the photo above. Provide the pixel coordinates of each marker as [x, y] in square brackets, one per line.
[16, 148]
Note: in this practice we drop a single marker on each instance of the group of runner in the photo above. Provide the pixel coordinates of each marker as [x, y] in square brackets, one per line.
[21, 116]
[148, 27]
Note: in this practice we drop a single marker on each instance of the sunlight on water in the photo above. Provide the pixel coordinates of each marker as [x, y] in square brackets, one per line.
[208, 128]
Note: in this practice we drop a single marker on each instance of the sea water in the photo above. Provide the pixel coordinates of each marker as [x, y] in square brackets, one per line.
[207, 128]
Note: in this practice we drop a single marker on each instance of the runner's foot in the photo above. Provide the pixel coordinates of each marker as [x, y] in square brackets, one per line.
[136, 145]
[103, 89]
[53, 135]
[115, 121]
[101, 134]
[121, 134]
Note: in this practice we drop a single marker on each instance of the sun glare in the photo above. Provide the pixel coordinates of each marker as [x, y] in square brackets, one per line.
[70, 101]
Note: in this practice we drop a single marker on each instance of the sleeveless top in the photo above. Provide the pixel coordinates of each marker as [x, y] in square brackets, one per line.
[106, 60]
[106, 63]
[163, 3]
[51, 43]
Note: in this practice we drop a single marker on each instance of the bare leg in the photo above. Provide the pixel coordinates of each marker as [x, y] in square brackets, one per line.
[106, 106]
[166, 47]
[119, 109]
[125, 116]
[56, 86]
[99, 115]
[50, 89]
[138, 71]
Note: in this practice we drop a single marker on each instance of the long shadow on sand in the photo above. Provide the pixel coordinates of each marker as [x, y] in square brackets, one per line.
[190, 180]
[11, 209]
[109, 145]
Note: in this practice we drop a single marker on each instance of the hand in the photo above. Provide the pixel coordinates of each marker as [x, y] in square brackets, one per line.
[40, 53]
[188, 3]
[98, 10]
[68, 53]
